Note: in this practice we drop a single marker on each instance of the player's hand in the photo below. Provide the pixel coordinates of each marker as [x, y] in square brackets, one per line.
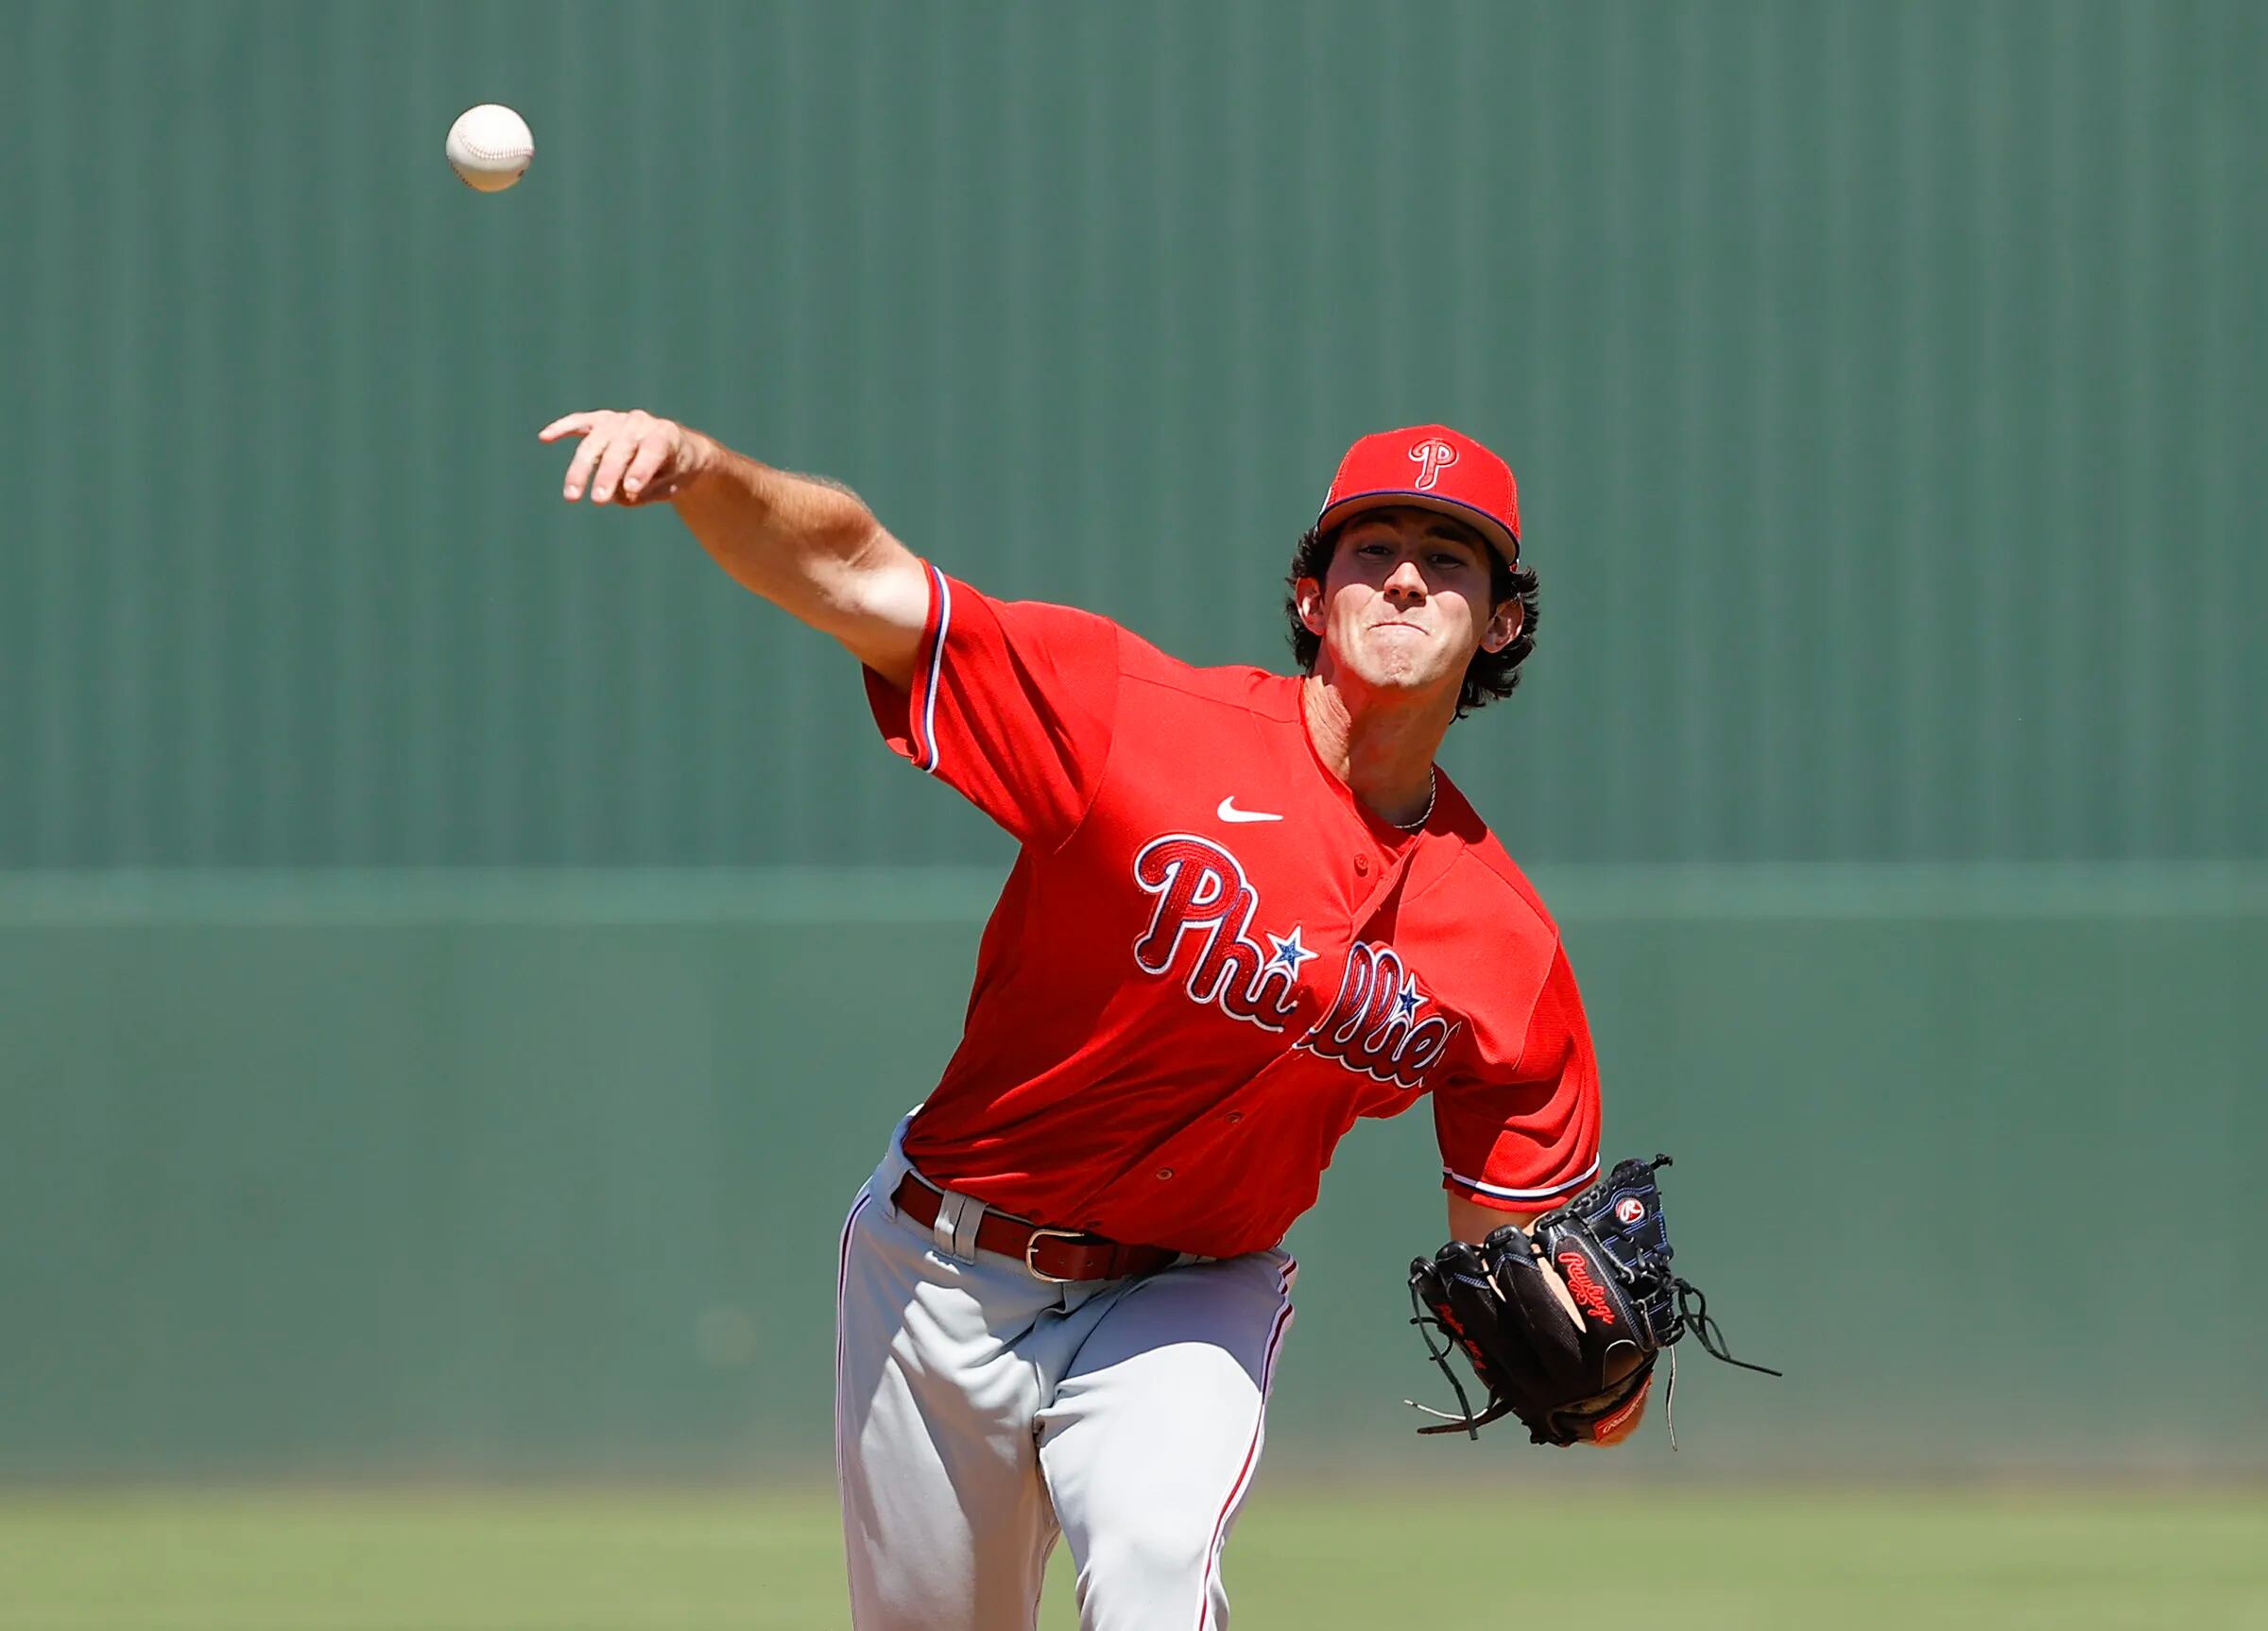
[628, 458]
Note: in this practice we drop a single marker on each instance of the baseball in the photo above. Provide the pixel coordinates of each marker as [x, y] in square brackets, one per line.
[488, 146]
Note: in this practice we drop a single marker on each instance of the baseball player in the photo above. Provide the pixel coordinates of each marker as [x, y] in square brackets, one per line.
[1247, 909]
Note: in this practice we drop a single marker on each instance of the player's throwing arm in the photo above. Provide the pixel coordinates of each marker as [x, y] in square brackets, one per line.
[809, 547]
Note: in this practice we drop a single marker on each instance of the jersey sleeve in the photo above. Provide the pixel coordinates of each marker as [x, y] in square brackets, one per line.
[1527, 1140]
[1012, 703]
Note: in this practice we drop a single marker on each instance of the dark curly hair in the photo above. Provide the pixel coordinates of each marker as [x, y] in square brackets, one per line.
[1489, 675]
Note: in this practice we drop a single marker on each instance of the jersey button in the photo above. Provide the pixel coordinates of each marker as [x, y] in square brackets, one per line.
[1362, 866]
[1234, 1117]
[1164, 1173]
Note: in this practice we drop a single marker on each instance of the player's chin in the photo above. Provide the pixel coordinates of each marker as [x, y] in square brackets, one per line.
[1407, 665]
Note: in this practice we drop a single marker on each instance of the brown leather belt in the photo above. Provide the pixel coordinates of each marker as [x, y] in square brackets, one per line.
[1050, 1254]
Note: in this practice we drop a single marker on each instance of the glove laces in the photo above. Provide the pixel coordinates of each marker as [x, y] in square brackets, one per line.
[1692, 1311]
[1439, 1353]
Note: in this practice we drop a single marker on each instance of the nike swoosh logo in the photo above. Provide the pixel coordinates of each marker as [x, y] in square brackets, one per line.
[1228, 811]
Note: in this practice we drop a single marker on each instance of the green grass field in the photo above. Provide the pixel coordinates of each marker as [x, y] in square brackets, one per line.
[617, 1561]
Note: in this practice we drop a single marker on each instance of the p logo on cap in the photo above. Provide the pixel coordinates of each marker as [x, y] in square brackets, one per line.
[1429, 467]
[1434, 456]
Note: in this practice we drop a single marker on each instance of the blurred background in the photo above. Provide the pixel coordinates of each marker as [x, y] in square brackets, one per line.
[458, 954]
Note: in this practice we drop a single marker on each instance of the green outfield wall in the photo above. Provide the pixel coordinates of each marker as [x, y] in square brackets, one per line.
[458, 954]
[1880, 378]
[488, 1175]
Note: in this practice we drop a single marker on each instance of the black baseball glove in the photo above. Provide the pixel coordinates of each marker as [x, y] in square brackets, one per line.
[1570, 1383]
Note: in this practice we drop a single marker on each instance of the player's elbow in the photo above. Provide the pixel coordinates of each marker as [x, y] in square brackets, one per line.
[872, 597]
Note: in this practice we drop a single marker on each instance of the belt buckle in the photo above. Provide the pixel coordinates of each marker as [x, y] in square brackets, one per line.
[1032, 1245]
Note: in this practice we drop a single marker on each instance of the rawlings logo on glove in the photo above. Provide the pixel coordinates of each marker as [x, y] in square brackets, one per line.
[1571, 1380]
[1589, 1294]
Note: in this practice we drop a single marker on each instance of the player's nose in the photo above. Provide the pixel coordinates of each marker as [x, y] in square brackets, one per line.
[1406, 582]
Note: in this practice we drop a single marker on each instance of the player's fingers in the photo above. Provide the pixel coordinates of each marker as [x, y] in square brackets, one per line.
[566, 424]
[620, 450]
[587, 456]
[654, 450]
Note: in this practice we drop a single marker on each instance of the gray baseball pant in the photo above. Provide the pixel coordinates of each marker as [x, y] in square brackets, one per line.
[980, 1411]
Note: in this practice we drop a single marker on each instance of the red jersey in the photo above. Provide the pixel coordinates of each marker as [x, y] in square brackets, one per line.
[1210, 959]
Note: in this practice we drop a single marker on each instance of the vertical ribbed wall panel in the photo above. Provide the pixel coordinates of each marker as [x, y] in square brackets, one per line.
[1881, 381]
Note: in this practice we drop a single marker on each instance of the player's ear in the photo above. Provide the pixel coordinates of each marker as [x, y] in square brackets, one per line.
[1308, 595]
[1504, 625]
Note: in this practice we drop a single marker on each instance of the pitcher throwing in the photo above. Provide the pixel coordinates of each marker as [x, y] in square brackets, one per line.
[1247, 911]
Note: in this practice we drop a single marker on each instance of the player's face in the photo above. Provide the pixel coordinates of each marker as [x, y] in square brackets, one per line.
[1406, 602]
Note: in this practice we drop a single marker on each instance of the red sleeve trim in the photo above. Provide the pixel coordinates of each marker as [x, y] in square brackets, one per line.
[1507, 1199]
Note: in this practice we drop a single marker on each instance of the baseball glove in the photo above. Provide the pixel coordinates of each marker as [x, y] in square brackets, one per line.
[1571, 1382]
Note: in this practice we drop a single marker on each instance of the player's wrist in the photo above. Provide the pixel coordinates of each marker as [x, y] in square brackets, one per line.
[698, 459]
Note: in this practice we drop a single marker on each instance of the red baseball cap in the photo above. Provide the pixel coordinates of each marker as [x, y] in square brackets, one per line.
[1429, 466]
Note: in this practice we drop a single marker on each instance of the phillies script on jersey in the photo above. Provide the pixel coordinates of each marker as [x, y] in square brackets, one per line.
[1210, 960]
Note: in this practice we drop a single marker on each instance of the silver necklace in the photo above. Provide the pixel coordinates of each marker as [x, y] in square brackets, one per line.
[1432, 789]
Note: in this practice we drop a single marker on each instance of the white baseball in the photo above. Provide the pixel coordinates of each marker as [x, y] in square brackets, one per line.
[488, 146]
